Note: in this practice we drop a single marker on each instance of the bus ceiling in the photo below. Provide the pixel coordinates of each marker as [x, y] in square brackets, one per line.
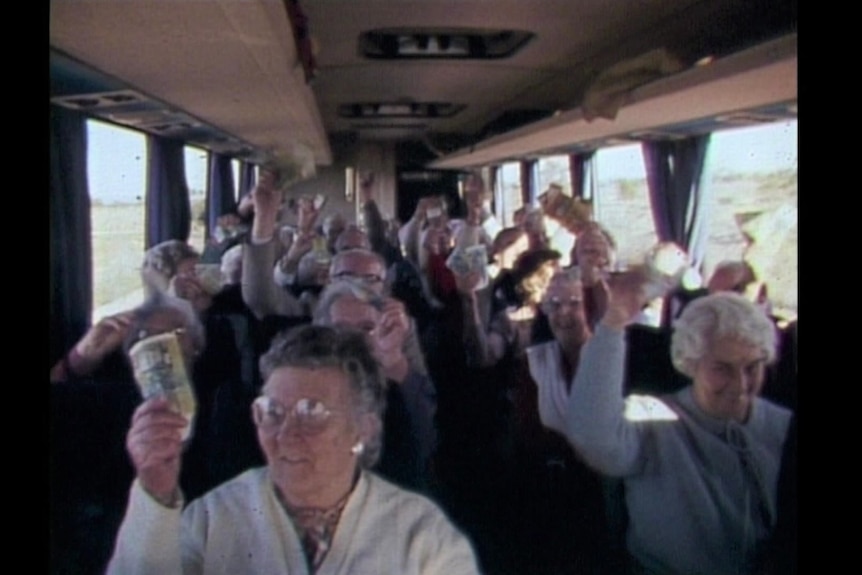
[475, 82]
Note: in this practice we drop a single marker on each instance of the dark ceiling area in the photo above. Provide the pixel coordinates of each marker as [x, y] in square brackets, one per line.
[383, 69]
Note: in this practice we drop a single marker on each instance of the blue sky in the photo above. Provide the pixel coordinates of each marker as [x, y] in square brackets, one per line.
[117, 167]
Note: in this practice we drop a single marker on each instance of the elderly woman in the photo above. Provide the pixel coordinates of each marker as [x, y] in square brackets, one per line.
[165, 261]
[699, 467]
[410, 435]
[90, 469]
[314, 508]
[558, 502]
[499, 320]
[553, 364]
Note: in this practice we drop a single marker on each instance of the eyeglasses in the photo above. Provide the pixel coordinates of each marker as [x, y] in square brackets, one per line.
[555, 304]
[364, 278]
[309, 415]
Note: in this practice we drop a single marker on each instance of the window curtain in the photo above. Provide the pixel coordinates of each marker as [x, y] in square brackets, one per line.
[581, 174]
[69, 230]
[169, 211]
[677, 195]
[221, 194]
[527, 195]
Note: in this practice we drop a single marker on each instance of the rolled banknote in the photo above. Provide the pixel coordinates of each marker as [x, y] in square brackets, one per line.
[160, 370]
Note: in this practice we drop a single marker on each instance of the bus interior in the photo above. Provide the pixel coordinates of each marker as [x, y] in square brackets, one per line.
[419, 93]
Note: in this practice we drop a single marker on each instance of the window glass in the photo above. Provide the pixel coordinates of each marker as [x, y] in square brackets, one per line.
[750, 176]
[116, 173]
[553, 170]
[196, 179]
[234, 164]
[507, 195]
[752, 172]
[622, 201]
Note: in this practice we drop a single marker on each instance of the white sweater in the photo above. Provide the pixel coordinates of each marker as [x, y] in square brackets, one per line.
[240, 528]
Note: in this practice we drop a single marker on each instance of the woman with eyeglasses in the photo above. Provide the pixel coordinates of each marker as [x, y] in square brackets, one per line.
[314, 508]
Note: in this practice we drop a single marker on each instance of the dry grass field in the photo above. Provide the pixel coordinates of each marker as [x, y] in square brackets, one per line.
[118, 248]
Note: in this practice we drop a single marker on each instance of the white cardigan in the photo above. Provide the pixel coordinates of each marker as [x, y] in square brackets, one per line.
[545, 362]
[240, 528]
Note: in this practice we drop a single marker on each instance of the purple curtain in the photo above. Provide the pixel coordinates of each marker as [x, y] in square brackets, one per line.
[580, 174]
[169, 211]
[221, 193]
[493, 174]
[677, 195]
[69, 229]
[527, 181]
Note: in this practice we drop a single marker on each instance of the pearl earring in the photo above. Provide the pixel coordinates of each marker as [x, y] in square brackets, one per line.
[358, 448]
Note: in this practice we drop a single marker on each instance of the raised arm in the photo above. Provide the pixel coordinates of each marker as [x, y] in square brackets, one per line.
[259, 290]
[410, 232]
[148, 541]
[484, 346]
[596, 425]
[90, 351]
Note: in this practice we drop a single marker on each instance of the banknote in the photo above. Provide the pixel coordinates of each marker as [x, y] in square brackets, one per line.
[472, 259]
[160, 370]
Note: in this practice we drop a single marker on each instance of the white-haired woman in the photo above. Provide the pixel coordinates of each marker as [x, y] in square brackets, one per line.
[699, 467]
[314, 508]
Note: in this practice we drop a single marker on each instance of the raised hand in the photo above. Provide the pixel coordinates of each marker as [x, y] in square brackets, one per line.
[307, 215]
[302, 244]
[100, 340]
[593, 253]
[389, 335]
[627, 295]
[267, 201]
[190, 288]
[422, 206]
[468, 283]
[155, 445]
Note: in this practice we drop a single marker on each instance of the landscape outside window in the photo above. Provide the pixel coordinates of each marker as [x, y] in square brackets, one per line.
[752, 172]
[752, 175]
[116, 173]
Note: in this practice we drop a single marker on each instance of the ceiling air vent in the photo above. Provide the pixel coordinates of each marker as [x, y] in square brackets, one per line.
[441, 43]
[399, 110]
[100, 101]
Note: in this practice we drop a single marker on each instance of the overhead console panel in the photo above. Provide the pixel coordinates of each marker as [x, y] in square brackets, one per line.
[221, 74]
[745, 87]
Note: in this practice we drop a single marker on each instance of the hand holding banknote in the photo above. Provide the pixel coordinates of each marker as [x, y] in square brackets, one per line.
[155, 445]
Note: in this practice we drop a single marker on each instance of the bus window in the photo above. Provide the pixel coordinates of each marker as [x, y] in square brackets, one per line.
[622, 202]
[507, 195]
[116, 173]
[553, 170]
[196, 178]
[752, 206]
[750, 175]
